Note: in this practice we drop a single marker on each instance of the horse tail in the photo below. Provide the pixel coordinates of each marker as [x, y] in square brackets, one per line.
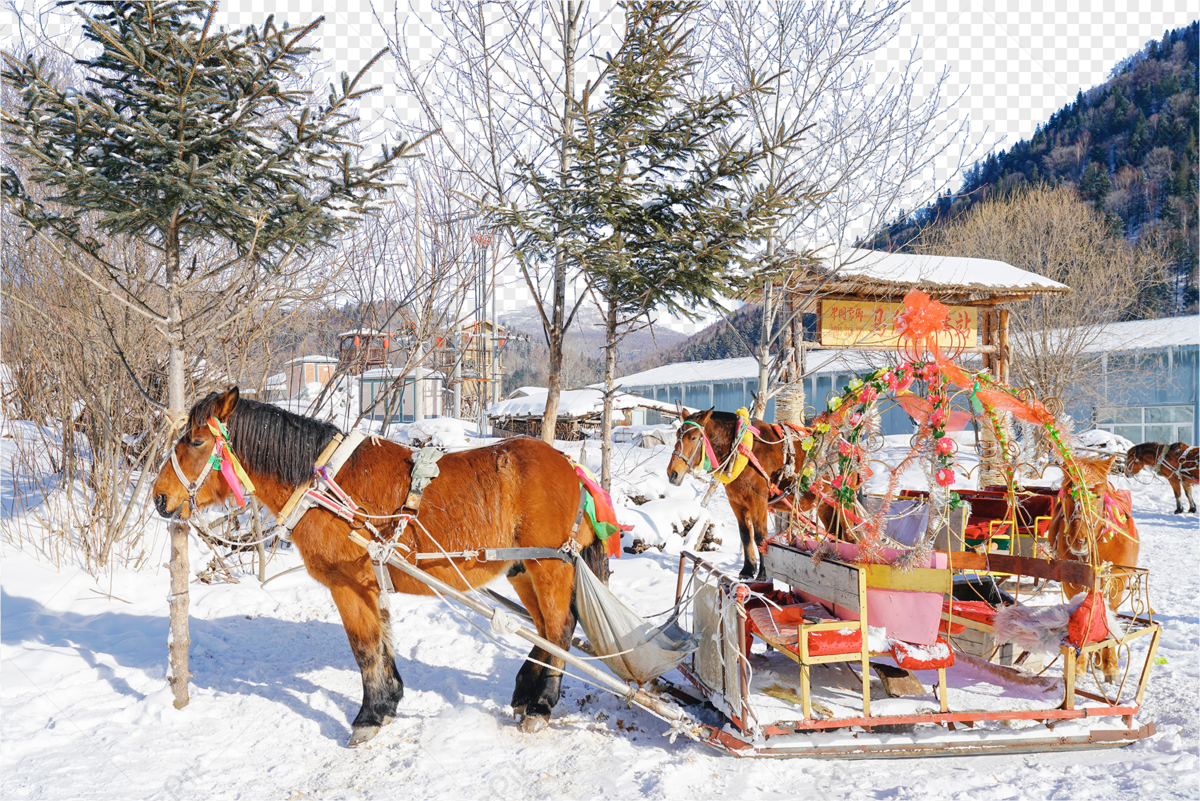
[596, 558]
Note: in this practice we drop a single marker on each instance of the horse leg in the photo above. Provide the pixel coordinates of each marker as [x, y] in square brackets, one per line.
[1187, 490]
[548, 587]
[1176, 488]
[369, 632]
[759, 539]
[529, 676]
[746, 532]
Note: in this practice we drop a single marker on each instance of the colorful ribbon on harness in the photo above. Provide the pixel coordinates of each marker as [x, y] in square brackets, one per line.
[598, 506]
[743, 445]
[222, 459]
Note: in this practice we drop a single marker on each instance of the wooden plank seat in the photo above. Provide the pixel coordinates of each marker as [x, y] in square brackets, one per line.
[829, 623]
[840, 589]
[781, 628]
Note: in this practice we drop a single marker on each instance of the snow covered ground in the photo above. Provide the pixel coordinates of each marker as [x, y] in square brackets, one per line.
[87, 713]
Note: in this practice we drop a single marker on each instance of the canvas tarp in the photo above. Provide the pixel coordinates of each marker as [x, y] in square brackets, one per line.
[632, 648]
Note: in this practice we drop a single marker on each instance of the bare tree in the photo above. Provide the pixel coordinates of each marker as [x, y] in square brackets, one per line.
[872, 141]
[1051, 231]
[502, 91]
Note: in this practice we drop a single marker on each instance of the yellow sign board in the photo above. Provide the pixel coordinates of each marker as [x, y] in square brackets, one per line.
[857, 323]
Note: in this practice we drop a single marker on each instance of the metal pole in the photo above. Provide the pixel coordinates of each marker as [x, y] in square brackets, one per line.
[632, 694]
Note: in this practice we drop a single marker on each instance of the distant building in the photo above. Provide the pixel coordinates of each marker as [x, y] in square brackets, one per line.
[419, 396]
[1148, 386]
[304, 370]
[580, 412]
[1150, 371]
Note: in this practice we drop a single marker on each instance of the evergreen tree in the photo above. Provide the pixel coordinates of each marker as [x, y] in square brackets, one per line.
[658, 207]
[200, 143]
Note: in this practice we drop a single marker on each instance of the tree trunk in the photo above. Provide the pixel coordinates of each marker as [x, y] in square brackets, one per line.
[610, 377]
[179, 641]
[789, 403]
[558, 317]
[764, 353]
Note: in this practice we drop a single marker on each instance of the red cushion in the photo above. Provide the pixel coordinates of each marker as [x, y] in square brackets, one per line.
[923, 657]
[979, 611]
[781, 626]
[1088, 623]
[838, 641]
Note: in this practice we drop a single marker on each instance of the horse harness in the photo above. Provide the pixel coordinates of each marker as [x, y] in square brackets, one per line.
[325, 492]
[788, 434]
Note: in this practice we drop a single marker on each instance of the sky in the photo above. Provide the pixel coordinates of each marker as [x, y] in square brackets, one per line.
[1014, 62]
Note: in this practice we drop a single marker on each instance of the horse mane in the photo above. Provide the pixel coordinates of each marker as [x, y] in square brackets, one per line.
[270, 440]
[1093, 471]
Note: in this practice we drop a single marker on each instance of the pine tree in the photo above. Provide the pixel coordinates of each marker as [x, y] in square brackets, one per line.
[200, 143]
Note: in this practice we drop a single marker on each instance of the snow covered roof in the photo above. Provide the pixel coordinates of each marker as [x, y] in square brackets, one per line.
[855, 270]
[571, 403]
[1135, 335]
[1148, 334]
[718, 370]
[393, 373]
[313, 359]
[362, 332]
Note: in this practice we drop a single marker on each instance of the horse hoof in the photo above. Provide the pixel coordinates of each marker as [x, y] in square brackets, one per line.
[361, 735]
[532, 724]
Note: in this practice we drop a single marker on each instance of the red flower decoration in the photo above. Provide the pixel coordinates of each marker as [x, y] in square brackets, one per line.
[945, 446]
[945, 477]
[922, 316]
[838, 481]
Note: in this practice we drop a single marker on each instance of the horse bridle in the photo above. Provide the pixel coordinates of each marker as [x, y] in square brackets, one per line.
[212, 465]
[698, 449]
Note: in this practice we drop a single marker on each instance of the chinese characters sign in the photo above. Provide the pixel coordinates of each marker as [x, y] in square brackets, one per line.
[854, 323]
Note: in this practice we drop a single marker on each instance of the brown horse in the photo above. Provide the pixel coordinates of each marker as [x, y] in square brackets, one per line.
[1091, 526]
[519, 493]
[1179, 464]
[750, 495]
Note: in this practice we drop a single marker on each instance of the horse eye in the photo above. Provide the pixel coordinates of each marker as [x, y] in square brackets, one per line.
[196, 443]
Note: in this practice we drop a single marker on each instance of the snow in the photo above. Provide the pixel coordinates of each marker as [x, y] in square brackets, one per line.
[86, 711]
[1100, 440]
[932, 272]
[531, 401]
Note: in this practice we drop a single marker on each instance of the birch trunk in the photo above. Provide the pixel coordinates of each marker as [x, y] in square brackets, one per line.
[179, 640]
[610, 377]
[558, 318]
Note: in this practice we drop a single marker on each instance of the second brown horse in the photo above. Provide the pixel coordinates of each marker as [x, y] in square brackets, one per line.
[750, 495]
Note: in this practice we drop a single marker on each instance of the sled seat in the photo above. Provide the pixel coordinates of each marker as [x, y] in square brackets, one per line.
[828, 622]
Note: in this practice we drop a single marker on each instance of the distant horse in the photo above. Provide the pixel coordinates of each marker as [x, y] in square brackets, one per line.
[750, 495]
[1092, 525]
[519, 493]
[1179, 464]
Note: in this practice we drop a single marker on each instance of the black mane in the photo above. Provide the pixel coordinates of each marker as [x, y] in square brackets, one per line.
[271, 440]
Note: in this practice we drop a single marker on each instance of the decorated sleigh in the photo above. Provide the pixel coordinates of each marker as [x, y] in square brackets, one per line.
[909, 587]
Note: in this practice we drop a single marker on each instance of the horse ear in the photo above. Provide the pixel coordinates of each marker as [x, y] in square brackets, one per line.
[226, 404]
[706, 415]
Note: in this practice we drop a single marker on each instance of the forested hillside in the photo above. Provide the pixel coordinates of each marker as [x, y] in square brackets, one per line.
[1129, 147]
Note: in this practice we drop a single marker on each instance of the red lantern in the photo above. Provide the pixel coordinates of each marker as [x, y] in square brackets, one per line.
[357, 342]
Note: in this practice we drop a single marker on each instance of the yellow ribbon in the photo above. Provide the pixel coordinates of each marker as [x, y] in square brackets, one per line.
[219, 431]
[741, 459]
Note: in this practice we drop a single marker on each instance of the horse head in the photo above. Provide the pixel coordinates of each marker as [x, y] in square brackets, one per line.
[1140, 456]
[185, 483]
[1082, 508]
[689, 447]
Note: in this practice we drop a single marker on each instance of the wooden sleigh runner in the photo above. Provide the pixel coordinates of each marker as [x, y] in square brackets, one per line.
[810, 694]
